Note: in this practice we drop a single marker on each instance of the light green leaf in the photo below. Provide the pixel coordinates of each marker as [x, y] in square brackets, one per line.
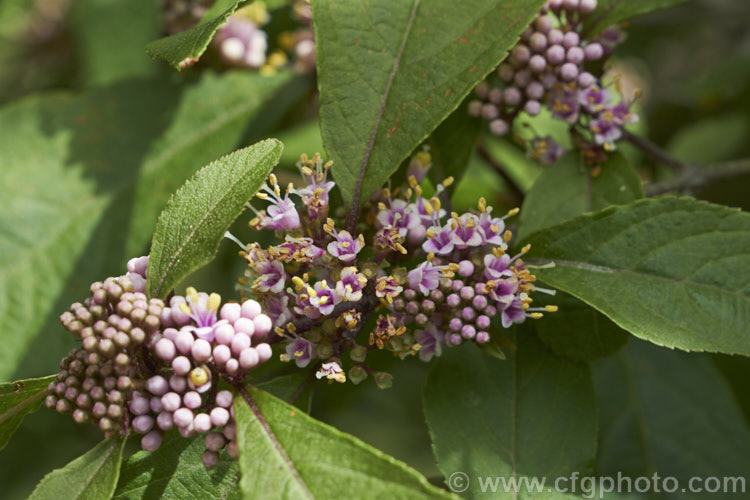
[192, 225]
[520, 168]
[286, 454]
[176, 470]
[670, 413]
[711, 139]
[192, 43]
[18, 399]
[567, 189]
[390, 72]
[673, 271]
[533, 415]
[92, 476]
[452, 144]
[100, 177]
[610, 12]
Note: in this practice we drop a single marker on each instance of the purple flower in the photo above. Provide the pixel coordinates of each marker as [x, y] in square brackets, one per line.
[271, 276]
[202, 309]
[419, 166]
[302, 351]
[282, 214]
[315, 194]
[296, 250]
[389, 238]
[277, 308]
[331, 371]
[546, 150]
[431, 341]
[240, 42]
[594, 99]
[564, 105]
[345, 248]
[323, 298]
[351, 284]
[621, 114]
[425, 277]
[399, 216]
[466, 232]
[504, 291]
[496, 267]
[388, 287]
[491, 229]
[606, 131]
[439, 241]
[514, 313]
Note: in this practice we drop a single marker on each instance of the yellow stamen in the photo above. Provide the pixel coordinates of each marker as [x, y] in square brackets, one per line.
[199, 376]
[213, 302]
[551, 309]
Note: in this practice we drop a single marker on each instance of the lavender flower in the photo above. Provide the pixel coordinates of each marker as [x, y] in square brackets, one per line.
[387, 287]
[331, 371]
[351, 284]
[302, 351]
[398, 215]
[466, 232]
[271, 276]
[426, 277]
[202, 309]
[430, 341]
[594, 99]
[439, 241]
[323, 298]
[344, 247]
[282, 214]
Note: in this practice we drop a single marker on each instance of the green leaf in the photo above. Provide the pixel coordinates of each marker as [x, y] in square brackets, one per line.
[520, 168]
[102, 178]
[610, 12]
[567, 189]
[452, 144]
[670, 413]
[390, 72]
[286, 387]
[90, 476]
[533, 415]
[192, 43]
[18, 399]
[192, 225]
[109, 36]
[577, 330]
[669, 270]
[176, 470]
[286, 454]
[711, 139]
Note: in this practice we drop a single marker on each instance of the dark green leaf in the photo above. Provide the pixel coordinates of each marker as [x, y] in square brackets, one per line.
[18, 399]
[453, 143]
[567, 189]
[669, 413]
[710, 140]
[286, 387]
[669, 270]
[103, 178]
[192, 225]
[286, 454]
[91, 476]
[532, 415]
[176, 470]
[390, 72]
[192, 43]
[610, 12]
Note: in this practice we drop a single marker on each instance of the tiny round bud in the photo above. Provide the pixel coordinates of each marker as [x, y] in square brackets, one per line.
[537, 63]
[568, 72]
[139, 406]
[468, 332]
[571, 39]
[115, 397]
[233, 450]
[181, 365]
[543, 24]
[455, 324]
[437, 295]
[244, 325]
[80, 416]
[512, 96]
[522, 78]
[114, 412]
[178, 383]
[90, 343]
[231, 312]
[165, 349]
[574, 55]
[482, 337]
[50, 401]
[549, 80]
[250, 309]
[555, 55]
[483, 322]
[219, 417]
[157, 385]
[122, 359]
[137, 335]
[428, 306]
[475, 108]
[453, 300]
[97, 393]
[467, 293]
[586, 6]
[201, 350]
[593, 51]
[225, 333]
[221, 354]
[224, 399]
[520, 54]
[263, 325]
[499, 127]
[210, 458]
[184, 341]
[202, 423]
[535, 90]
[215, 441]
[110, 383]
[496, 97]
[506, 72]
[455, 339]
[230, 431]
[164, 420]
[479, 302]
[248, 358]
[192, 400]
[586, 80]
[151, 441]
[99, 409]
[490, 111]
[555, 37]
[490, 311]
[421, 319]
[532, 107]
[183, 417]
[240, 342]
[171, 401]
[482, 89]
[264, 352]
[232, 366]
[412, 308]
[468, 313]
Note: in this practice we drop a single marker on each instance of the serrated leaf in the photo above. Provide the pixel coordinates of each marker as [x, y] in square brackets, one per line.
[533, 415]
[390, 72]
[287, 454]
[192, 43]
[18, 399]
[567, 189]
[609, 12]
[176, 469]
[101, 177]
[192, 225]
[673, 271]
[91, 476]
[670, 413]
